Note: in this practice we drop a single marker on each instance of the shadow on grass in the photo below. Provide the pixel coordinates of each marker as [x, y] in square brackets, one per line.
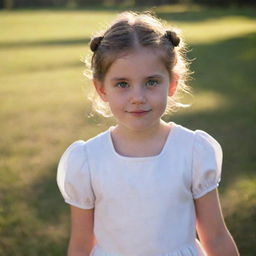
[29, 224]
[28, 44]
[47, 198]
[53, 66]
[189, 13]
[207, 14]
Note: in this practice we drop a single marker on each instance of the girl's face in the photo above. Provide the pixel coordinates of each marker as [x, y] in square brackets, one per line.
[136, 87]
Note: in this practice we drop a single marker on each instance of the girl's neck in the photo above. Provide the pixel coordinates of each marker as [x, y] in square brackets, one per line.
[141, 135]
[139, 143]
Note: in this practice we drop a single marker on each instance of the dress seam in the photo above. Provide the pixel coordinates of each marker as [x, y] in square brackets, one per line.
[192, 161]
[89, 169]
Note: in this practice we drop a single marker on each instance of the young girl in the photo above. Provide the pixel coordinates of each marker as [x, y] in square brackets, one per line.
[143, 187]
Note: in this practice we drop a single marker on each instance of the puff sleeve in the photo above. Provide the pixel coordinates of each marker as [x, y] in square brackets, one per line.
[73, 177]
[206, 164]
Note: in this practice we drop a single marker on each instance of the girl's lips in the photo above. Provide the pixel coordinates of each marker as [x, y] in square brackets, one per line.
[139, 112]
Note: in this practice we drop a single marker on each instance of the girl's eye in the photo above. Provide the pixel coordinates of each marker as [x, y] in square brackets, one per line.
[151, 83]
[122, 85]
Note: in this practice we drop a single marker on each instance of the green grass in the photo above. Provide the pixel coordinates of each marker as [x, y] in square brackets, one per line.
[43, 109]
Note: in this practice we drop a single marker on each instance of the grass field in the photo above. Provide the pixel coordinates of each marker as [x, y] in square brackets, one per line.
[43, 108]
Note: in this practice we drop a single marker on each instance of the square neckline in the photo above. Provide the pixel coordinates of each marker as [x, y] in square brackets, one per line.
[145, 158]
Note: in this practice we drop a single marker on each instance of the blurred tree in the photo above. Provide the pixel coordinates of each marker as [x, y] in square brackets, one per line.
[10, 4]
[118, 2]
[168, 1]
[89, 2]
[226, 2]
[7, 4]
[140, 2]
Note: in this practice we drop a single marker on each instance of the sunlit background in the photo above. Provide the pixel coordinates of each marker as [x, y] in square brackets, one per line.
[44, 108]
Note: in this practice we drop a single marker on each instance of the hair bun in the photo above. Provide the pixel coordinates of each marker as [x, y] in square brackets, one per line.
[172, 37]
[95, 42]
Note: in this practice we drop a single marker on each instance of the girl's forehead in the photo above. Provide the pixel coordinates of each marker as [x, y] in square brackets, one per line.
[138, 61]
[140, 52]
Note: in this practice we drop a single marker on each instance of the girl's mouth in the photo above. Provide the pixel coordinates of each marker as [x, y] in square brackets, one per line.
[139, 112]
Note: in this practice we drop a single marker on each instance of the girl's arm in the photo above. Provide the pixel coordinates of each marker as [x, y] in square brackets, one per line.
[212, 231]
[82, 237]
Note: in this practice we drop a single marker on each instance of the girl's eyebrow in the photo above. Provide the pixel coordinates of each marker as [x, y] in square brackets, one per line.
[119, 79]
[124, 78]
[154, 76]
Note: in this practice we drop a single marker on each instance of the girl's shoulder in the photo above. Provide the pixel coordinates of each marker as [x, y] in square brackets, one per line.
[98, 140]
[73, 176]
[78, 152]
[73, 171]
[73, 155]
[196, 137]
[206, 156]
[77, 147]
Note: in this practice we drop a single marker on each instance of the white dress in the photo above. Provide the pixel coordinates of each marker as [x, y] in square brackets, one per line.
[144, 206]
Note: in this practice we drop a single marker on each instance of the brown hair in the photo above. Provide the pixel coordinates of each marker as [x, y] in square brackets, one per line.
[132, 30]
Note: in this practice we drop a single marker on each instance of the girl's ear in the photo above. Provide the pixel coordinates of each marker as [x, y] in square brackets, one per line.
[100, 89]
[173, 83]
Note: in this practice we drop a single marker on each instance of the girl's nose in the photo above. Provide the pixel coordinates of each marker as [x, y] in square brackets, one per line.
[138, 96]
